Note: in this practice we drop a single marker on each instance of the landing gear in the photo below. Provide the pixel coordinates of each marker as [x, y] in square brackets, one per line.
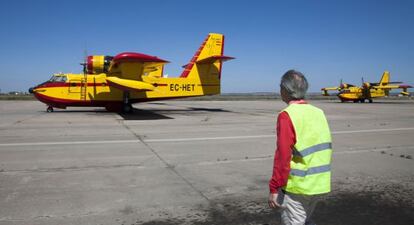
[126, 105]
[370, 100]
[362, 100]
[127, 108]
[49, 109]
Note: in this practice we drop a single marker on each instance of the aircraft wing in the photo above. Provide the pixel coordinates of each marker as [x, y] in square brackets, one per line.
[325, 90]
[133, 66]
[330, 89]
[129, 85]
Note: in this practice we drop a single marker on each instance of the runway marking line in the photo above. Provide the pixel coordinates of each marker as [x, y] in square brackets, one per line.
[187, 139]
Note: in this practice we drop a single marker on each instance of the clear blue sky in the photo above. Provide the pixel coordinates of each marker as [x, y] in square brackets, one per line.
[326, 40]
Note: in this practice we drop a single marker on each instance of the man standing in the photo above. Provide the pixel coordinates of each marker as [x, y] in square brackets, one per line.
[301, 170]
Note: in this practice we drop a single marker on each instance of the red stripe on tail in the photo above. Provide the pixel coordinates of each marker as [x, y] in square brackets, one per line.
[190, 65]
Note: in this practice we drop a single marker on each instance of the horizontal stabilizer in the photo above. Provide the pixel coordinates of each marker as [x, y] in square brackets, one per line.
[129, 85]
[385, 83]
[213, 59]
[405, 86]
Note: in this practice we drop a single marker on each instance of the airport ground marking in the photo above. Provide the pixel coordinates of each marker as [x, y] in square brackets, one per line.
[373, 130]
[189, 139]
[68, 143]
[208, 138]
[268, 136]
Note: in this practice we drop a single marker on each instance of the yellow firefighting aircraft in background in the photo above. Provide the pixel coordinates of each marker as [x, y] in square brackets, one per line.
[368, 91]
[117, 82]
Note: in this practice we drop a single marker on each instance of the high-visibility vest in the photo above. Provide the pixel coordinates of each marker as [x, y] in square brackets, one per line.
[310, 166]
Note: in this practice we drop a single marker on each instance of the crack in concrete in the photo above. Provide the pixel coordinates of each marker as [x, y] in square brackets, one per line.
[168, 166]
[6, 126]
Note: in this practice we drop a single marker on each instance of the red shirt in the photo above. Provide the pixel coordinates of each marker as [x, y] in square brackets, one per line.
[286, 139]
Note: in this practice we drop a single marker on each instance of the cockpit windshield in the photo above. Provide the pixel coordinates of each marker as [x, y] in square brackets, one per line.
[58, 78]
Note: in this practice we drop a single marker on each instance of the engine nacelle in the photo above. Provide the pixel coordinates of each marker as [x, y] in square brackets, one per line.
[97, 64]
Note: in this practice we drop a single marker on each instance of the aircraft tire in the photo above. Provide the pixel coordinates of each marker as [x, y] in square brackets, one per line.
[362, 100]
[370, 101]
[49, 109]
[127, 108]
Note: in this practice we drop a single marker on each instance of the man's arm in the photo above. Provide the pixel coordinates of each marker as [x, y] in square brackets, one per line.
[286, 139]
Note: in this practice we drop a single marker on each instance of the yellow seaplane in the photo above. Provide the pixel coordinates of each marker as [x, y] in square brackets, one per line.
[117, 82]
[368, 91]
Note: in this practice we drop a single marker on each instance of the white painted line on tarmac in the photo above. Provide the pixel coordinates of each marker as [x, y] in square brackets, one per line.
[207, 138]
[268, 136]
[69, 143]
[188, 139]
[372, 131]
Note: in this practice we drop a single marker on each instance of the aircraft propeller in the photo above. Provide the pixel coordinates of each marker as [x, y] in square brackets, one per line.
[84, 63]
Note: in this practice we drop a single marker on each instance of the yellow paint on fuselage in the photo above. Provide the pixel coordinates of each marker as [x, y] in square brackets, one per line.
[355, 93]
[98, 88]
[145, 78]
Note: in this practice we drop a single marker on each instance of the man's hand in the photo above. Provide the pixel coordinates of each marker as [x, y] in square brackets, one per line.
[273, 201]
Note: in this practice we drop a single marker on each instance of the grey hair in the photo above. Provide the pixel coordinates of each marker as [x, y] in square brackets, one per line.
[295, 84]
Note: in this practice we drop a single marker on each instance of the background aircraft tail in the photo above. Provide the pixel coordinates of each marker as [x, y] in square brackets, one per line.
[385, 79]
[205, 66]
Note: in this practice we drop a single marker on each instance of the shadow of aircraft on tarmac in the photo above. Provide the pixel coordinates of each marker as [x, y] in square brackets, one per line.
[148, 113]
[159, 114]
[139, 114]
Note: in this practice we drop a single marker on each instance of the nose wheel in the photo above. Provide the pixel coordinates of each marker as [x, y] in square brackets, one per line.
[49, 109]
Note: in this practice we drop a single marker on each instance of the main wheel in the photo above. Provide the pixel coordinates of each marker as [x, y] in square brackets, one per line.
[127, 108]
[49, 109]
[370, 100]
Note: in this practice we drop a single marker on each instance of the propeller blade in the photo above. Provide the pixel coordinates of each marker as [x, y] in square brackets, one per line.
[85, 59]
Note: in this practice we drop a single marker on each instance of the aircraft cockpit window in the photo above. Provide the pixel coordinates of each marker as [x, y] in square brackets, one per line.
[58, 79]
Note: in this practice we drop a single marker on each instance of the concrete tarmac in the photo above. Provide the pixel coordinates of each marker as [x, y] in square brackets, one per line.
[194, 162]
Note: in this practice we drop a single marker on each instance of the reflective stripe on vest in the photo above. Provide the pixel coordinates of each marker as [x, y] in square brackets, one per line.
[312, 149]
[310, 171]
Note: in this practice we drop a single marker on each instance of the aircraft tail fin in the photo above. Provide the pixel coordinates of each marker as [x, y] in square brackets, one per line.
[385, 79]
[206, 62]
